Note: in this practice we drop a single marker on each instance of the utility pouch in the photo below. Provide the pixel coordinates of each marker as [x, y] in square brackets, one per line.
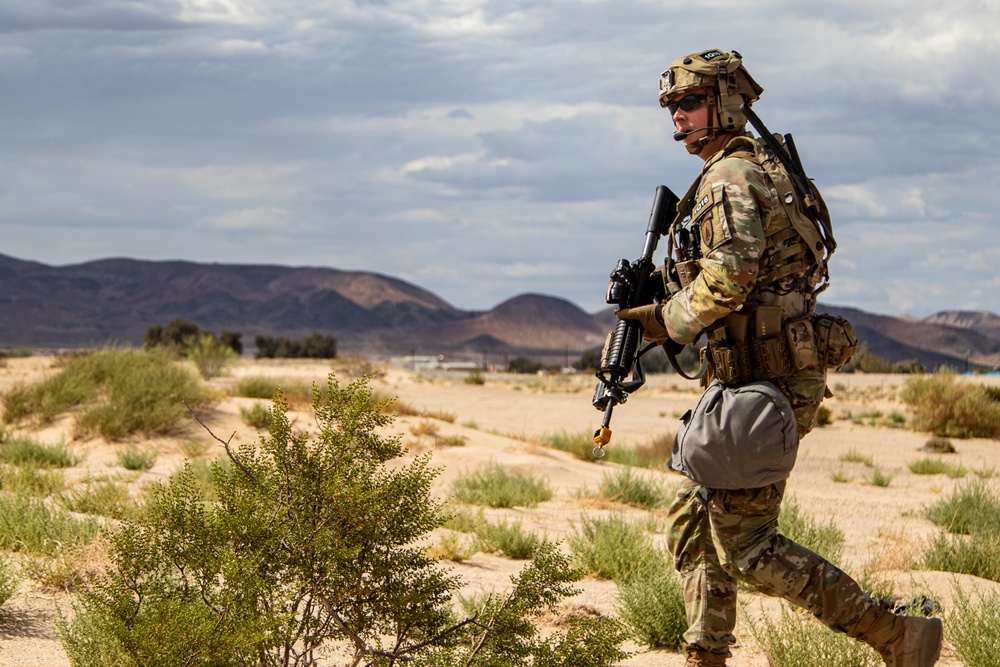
[769, 345]
[728, 347]
[709, 375]
[737, 438]
[836, 341]
[801, 338]
[687, 271]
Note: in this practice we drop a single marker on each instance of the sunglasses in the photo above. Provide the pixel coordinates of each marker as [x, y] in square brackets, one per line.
[687, 103]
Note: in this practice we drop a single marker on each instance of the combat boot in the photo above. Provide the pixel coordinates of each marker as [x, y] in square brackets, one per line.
[696, 657]
[902, 641]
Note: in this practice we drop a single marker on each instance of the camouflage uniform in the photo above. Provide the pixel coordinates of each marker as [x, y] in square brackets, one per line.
[750, 256]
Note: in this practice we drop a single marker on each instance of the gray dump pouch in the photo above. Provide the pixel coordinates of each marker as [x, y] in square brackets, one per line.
[737, 437]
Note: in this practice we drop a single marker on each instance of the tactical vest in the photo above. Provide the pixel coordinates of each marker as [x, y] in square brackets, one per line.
[774, 333]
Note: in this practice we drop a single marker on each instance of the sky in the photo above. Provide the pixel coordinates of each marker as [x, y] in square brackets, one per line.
[483, 149]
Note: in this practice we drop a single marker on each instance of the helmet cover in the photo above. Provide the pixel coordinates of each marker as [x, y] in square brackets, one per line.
[722, 73]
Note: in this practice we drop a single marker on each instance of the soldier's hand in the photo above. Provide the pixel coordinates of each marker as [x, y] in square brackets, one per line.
[650, 317]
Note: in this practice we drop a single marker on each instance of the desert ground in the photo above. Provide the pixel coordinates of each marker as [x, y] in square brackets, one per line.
[504, 420]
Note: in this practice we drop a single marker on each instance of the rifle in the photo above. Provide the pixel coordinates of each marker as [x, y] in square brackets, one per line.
[630, 286]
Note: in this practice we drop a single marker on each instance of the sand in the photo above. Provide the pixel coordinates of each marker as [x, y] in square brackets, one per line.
[504, 421]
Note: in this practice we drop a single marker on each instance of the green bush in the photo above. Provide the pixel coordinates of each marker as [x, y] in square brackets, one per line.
[977, 555]
[29, 480]
[257, 386]
[32, 525]
[796, 639]
[508, 539]
[971, 508]
[973, 627]
[256, 415]
[937, 466]
[203, 473]
[650, 598]
[295, 392]
[316, 346]
[21, 451]
[100, 497]
[614, 548]
[210, 355]
[945, 407]
[118, 392]
[495, 486]
[879, 478]
[972, 515]
[9, 580]
[179, 335]
[580, 444]
[629, 488]
[134, 458]
[909, 366]
[654, 454]
[312, 542]
[652, 606]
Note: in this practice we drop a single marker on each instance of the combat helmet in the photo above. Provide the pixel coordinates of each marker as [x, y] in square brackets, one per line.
[718, 71]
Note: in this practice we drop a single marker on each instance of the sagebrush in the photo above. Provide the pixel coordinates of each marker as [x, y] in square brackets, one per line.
[313, 541]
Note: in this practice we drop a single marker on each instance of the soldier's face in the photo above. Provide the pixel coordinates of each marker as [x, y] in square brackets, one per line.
[690, 112]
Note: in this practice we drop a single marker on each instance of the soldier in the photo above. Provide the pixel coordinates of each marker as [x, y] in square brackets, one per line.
[761, 266]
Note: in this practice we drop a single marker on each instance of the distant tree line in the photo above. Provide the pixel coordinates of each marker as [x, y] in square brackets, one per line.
[316, 346]
[180, 335]
[183, 336]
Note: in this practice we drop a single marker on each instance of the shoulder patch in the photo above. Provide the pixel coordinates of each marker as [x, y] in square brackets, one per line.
[708, 56]
[705, 201]
[707, 232]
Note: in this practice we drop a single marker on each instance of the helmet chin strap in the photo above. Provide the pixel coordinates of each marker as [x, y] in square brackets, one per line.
[711, 132]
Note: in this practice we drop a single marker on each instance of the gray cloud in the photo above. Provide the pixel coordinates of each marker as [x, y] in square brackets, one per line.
[484, 148]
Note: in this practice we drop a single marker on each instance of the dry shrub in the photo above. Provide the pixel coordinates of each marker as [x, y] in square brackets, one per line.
[894, 549]
[655, 453]
[945, 407]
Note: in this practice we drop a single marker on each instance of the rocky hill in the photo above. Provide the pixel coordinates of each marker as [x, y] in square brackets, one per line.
[116, 300]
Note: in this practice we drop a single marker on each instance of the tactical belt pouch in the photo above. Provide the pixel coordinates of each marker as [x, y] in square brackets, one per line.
[801, 338]
[737, 437]
[741, 354]
[836, 341]
[687, 271]
[728, 347]
[769, 345]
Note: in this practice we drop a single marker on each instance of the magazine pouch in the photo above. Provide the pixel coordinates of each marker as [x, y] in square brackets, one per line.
[737, 437]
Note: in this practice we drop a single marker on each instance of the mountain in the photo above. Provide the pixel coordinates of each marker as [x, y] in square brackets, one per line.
[926, 339]
[981, 321]
[117, 300]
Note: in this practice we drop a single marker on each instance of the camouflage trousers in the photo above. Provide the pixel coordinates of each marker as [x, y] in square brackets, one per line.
[733, 535]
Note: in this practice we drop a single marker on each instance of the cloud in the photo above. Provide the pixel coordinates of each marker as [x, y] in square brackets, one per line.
[250, 219]
[483, 148]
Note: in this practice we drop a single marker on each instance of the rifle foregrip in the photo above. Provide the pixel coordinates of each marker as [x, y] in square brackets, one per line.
[622, 348]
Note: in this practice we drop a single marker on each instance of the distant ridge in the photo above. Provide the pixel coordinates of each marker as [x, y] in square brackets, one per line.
[116, 300]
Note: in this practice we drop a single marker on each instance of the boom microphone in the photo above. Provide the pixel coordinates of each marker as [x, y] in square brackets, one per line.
[680, 136]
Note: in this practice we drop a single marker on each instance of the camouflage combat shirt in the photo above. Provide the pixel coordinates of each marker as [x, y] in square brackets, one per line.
[750, 255]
